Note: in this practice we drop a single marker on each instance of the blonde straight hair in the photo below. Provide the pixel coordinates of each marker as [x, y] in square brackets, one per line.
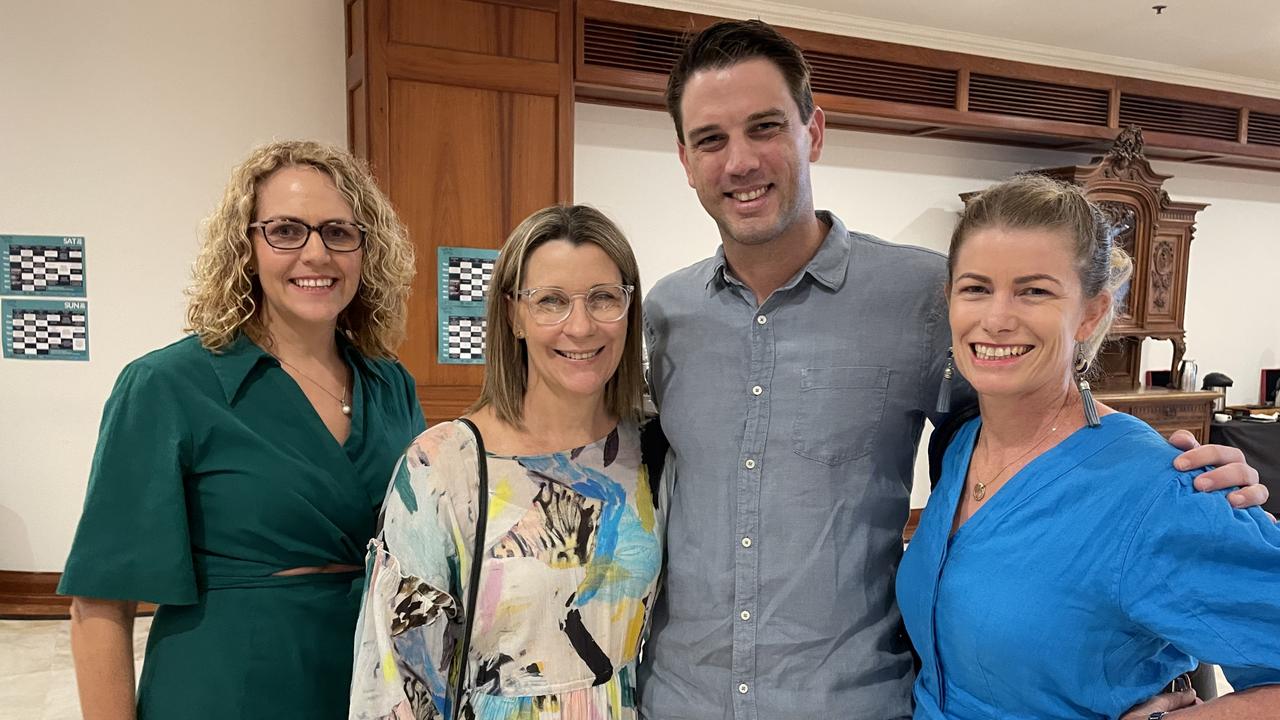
[506, 368]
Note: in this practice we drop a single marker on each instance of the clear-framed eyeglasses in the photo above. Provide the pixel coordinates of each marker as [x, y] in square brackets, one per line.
[337, 235]
[552, 305]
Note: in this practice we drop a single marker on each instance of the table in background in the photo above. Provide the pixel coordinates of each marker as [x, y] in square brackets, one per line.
[1260, 443]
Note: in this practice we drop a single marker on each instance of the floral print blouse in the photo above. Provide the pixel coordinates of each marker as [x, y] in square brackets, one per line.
[572, 555]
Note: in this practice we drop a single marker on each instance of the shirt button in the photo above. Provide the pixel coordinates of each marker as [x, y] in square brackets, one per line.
[760, 319]
[745, 615]
[757, 390]
[742, 688]
[746, 542]
[749, 463]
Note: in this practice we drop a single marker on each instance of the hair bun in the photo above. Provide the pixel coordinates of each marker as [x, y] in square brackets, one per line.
[1120, 271]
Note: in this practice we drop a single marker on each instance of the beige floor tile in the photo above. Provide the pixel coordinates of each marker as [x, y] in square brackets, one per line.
[22, 695]
[28, 645]
[61, 700]
[37, 672]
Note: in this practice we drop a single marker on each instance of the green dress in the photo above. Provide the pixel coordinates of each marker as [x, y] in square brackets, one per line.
[212, 472]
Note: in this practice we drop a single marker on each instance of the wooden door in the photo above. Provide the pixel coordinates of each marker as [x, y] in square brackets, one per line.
[464, 109]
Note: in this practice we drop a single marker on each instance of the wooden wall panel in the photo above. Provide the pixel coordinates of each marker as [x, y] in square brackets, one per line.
[464, 109]
[623, 52]
[357, 121]
[532, 149]
[478, 27]
[445, 178]
[464, 177]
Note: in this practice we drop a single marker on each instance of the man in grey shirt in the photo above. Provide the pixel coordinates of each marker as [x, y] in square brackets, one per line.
[793, 371]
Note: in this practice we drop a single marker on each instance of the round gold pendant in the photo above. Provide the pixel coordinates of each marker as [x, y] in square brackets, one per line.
[979, 491]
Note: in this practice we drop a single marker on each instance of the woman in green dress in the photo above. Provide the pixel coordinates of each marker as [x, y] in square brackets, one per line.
[239, 471]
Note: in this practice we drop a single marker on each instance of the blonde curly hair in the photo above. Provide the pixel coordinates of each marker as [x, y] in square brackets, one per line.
[225, 299]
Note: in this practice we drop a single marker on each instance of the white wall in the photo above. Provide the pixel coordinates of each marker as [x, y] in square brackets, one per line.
[121, 122]
[906, 190]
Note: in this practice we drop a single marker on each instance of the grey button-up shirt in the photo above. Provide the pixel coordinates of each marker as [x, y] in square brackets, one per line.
[795, 425]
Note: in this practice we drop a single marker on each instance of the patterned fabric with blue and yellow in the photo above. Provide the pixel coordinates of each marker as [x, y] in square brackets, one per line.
[572, 554]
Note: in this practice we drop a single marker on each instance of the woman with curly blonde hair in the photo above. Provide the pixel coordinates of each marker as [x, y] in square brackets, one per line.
[239, 471]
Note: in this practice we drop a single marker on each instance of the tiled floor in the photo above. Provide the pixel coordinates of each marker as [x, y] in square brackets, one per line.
[37, 678]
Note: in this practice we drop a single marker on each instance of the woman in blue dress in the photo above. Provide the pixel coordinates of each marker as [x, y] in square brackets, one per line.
[1063, 568]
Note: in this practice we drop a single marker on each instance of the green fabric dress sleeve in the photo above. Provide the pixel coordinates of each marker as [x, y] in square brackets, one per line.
[411, 393]
[132, 542]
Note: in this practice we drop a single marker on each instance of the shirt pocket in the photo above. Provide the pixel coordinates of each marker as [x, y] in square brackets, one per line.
[840, 411]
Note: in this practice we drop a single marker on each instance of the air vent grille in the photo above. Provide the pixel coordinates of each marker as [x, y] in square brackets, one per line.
[1177, 116]
[1264, 129]
[1040, 100]
[882, 80]
[629, 47]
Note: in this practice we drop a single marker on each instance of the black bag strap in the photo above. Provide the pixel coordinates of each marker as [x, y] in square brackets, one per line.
[942, 436]
[653, 453]
[477, 556]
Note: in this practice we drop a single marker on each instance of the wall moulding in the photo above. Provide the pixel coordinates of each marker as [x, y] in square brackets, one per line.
[34, 596]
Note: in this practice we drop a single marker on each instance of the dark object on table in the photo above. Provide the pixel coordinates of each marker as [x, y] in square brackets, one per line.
[1270, 386]
[1217, 382]
[1260, 443]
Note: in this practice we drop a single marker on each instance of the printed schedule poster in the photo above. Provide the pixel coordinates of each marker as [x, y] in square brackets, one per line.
[45, 329]
[462, 279]
[42, 265]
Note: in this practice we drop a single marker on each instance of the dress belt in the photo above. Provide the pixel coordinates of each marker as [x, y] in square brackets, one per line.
[225, 582]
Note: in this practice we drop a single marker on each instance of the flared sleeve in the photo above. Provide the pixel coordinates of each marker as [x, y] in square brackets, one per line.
[411, 614]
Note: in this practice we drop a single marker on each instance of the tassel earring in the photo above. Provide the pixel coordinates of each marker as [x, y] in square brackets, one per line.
[1086, 393]
[944, 388]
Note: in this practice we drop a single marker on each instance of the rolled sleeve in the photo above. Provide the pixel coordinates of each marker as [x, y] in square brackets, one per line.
[1206, 577]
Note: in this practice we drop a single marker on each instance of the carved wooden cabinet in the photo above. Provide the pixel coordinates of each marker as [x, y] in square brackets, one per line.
[1157, 233]
[1165, 409]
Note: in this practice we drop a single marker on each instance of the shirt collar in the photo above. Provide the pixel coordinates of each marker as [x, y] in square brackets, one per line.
[234, 363]
[828, 266]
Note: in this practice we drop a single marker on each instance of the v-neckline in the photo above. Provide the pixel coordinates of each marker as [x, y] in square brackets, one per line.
[314, 416]
[1015, 481]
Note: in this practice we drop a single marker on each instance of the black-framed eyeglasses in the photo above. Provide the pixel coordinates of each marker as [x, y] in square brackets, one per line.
[552, 305]
[337, 235]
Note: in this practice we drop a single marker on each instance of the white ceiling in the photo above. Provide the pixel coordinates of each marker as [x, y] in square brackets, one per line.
[1234, 37]
[1227, 44]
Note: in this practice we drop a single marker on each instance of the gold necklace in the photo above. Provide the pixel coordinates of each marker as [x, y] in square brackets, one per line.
[342, 401]
[980, 489]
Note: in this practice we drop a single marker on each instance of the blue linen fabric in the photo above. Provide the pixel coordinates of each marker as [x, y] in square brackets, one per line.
[1089, 581]
[795, 424]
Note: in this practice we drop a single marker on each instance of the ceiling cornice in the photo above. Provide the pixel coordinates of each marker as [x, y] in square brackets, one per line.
[903, 33]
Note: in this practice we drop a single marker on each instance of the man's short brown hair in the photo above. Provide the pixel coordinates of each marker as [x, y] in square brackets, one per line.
[730, 42]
